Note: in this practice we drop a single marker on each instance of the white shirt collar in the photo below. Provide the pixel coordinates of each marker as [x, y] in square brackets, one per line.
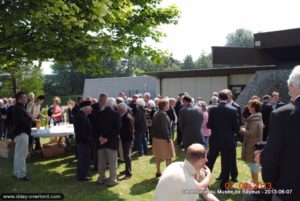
[189, 167]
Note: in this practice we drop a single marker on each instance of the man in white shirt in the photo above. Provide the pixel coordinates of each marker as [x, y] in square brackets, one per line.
[34, 111]
[184, 181]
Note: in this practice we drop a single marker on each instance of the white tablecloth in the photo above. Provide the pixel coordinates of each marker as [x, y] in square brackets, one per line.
[55, 131]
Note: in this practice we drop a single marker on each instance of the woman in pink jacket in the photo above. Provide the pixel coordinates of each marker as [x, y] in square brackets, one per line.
[204, 130]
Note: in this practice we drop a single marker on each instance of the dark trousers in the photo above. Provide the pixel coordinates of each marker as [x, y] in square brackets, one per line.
[227, 155]
[95, 153]
[141, 143]
[265, 133]
[148, 134]
[35, 140]
[83, 163]
[127, 147]
[233, 170]
[173, 126]
[179, 136]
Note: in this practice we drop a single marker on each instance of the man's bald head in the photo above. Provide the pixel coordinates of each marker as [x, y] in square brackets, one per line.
[195, 152]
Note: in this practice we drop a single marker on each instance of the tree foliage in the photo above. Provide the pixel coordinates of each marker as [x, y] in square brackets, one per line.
[188, 63]
[240, 38]
[64, 80]
[21, 76]
[81, 32]
[204, 61]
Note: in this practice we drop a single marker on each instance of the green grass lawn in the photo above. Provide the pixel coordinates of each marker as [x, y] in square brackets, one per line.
[58, 176]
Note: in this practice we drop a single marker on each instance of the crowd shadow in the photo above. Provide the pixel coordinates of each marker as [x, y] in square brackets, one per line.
[144, 186]
[49, 177]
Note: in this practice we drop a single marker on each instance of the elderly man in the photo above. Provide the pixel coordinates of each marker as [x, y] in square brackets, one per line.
[97, 110]
[147, 97]
[190, 121]
[30, 102]
[280, 158]
[83, 132]
[126, 135]
[140, 127]
[107, 129]
[183, 181]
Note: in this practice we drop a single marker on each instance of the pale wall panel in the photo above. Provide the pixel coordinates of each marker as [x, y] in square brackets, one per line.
[239, 79]
[196, 86]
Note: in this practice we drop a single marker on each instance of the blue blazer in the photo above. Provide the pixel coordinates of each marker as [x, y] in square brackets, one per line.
[223, 122]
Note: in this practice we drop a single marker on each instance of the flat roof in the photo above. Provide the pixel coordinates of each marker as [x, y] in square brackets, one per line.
[281, 38]
[214, 71]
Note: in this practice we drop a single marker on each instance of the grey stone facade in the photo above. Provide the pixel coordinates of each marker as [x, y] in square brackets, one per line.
[265, 82]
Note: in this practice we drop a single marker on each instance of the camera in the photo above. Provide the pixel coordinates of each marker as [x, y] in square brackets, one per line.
[259, 146]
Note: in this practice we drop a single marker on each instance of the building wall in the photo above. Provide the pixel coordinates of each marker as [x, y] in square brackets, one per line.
[195, 86]
[239, 79]
[112, 86]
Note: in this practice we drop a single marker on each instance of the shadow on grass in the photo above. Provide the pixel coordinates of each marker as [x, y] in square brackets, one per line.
[54, 177]
[144, 187]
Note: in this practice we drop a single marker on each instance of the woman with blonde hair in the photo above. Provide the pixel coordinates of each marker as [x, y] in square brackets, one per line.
[163, 148]
[69, 112]
[55, 113]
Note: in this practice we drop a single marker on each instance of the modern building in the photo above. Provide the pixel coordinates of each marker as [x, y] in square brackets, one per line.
[246, 71]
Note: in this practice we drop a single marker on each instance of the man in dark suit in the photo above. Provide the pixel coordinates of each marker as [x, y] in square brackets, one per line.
[178, 107]
[140, 127]
[280, 158]
[76, 108]
[266, 112]
[83, 132]
[172, 115]
[190, 121]
[95, 120]
[234, 169]
[276, 103]
[223, 122]
[126, 135]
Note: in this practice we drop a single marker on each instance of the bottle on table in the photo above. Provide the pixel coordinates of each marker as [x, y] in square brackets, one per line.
[51, 123]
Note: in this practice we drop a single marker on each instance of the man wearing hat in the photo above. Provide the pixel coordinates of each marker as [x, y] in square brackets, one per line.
[83, 132]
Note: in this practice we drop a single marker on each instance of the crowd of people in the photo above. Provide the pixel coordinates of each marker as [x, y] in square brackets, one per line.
[109, 129]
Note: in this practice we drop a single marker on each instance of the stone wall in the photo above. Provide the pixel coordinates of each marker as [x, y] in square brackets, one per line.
[265, 82]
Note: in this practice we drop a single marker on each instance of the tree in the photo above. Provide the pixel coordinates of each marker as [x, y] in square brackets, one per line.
[64, 80]
[81, 32]
[188, 62]
[21, 76]
[204, 61]
[240, 38]
[137, 65]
